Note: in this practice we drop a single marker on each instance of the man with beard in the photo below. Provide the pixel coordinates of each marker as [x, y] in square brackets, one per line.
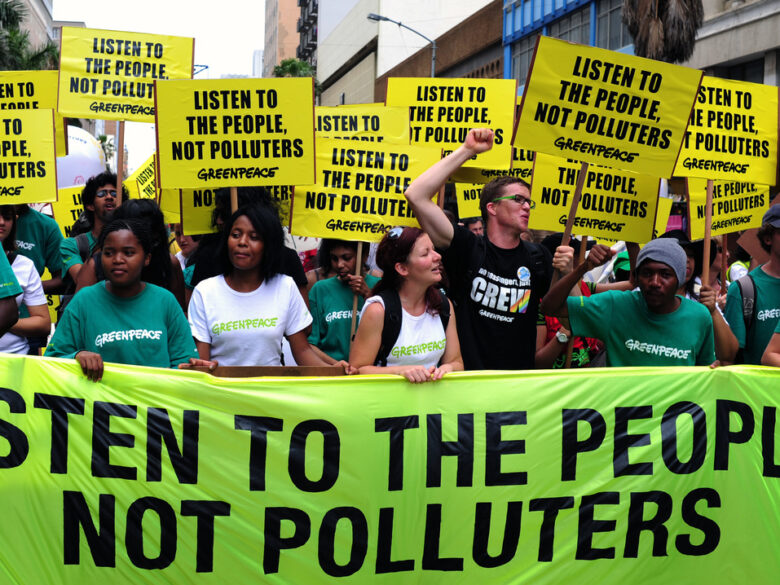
[650, 327]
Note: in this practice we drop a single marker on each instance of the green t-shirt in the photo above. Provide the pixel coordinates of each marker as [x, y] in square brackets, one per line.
[330, 305]
[9, 286]
[69, 249]
[635, 336]
[767, 315]
[39, 238]
[149, 329]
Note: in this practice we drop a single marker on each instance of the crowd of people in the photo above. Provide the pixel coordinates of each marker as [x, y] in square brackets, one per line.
[448, 296]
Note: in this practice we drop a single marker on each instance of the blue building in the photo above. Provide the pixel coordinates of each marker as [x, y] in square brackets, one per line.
[588, 22]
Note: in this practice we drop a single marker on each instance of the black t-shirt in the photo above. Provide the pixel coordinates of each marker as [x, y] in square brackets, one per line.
[497, 293]
[207, 262]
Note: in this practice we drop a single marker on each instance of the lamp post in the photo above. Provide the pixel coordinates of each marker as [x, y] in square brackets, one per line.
[378, 17]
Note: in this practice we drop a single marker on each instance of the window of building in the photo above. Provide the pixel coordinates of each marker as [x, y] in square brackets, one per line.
[752, 71]
[611, 33]
[522, 53]
[574, 27]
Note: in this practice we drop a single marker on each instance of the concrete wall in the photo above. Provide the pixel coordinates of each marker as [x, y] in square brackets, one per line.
[357, 87]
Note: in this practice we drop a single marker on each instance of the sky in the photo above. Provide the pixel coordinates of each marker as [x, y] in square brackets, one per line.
[226, 32]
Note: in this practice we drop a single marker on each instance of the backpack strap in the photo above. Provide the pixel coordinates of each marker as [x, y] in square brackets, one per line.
[747, 287]
[444, 310]
[541, 267]
[392, 325]
[82, 241]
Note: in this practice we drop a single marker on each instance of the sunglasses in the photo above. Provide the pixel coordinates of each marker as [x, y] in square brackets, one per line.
[103, 192]
[519, 199]
[395, 233]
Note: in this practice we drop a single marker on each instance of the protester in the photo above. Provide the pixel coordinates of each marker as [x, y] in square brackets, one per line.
[36, 320]
[39, 238]
[124, 319]
[324, 269]
[240, 316]
[407, 298]
[99, 198]
[331, 300]
[771, 355]
[187, 245]
[764, 314]
[163, 269]
[650, 327]
[496, 280]
[474, 225]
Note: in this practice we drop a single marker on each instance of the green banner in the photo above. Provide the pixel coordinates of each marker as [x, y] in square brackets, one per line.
[636, 475]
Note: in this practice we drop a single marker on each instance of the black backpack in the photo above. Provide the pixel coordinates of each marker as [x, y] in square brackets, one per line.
[747, 288]
[392, 325]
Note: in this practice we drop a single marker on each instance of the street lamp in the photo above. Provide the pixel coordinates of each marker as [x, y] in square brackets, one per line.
[378, 17]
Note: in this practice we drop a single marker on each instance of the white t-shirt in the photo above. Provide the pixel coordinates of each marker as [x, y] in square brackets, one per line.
[28, 278]
[421, 341]
[246, 329]
[182, 260]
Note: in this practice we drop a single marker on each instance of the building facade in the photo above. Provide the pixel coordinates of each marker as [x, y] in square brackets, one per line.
[307, 31]
[281, 37]
[38, 22]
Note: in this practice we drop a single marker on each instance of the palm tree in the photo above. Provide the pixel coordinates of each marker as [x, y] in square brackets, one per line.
[16, 53]
[297, 68]
[664, 30]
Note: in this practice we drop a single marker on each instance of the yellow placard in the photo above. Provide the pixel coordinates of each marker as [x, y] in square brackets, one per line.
[67, 208]
[615, 204]
[522, 168]
[170, 205]
[110, 75]
[662, 215]
[360, 188]
[34, 90]
[235, 132]
[197, 209]
[607, 108]
[28, 169]
[735, 206]
[467, 197]
[368, 122]
[52, 301]
[442, 111]
[142, 183]
[732, 133]
[282, 195]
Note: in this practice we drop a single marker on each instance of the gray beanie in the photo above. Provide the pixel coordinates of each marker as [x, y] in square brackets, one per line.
[666, 251]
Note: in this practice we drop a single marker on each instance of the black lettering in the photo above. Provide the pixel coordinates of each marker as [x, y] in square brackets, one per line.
[509, 542]
[19, 446]
[623, 441]
[103, 439]
[134, 533]
[384, 548]
[101, 541]
[588, 525]
[495, 448]
[395, 426]
[692, 518]
[669, 437]
[330, 455]
[60, 407]
[205, 511]
[327, 541]
[259, 426]
[274, 543]
[431, 559]
[550, 507]
[655, 525]
[571, 446]
[159, 430]
[724, 436]
[463, 449]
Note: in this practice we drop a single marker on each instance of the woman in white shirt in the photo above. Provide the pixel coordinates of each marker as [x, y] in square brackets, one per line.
[424, 350]
[239, 317]
[38, 323]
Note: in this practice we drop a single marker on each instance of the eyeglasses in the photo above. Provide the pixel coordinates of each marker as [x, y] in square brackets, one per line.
[103, 192]
[519, 199]
[395, 232]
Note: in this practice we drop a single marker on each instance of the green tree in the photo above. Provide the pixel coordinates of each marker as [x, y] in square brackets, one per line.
[16, 52]
[664, 30]
[297, 68]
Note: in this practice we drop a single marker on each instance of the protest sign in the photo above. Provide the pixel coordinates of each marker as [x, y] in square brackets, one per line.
[282, 195]
[34, 90]
[197, 209]
[359, 192]
[142, 183]
[615, 204]
[28, 168]
[522, 167]
[656, 475]
[732, 133]
[235, 132]
[368, 122]
[735, 206]
[442, 111]
[662, 215]
[170, 205]
[467, 197]
[67, 208]
[110, 75]
[607, 108]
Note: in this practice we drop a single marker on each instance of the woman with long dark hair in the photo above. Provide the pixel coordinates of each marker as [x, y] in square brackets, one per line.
[240, 316]
[425, 347]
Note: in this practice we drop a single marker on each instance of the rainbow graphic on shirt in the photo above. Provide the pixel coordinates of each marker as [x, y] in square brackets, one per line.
[521, 306]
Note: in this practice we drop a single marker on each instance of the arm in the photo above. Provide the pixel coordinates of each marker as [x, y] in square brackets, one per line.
[305, 355]
[54, 284]
[451, 361]
[726, 344]
[38, 323]
[771, 355]
[547, 353]
[554, 302]
[9, 314]
[85, 275]
[366, 346]
[421, 191]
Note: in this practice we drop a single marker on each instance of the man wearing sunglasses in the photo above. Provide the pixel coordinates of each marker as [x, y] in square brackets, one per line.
[99, 198]
[496, 279]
